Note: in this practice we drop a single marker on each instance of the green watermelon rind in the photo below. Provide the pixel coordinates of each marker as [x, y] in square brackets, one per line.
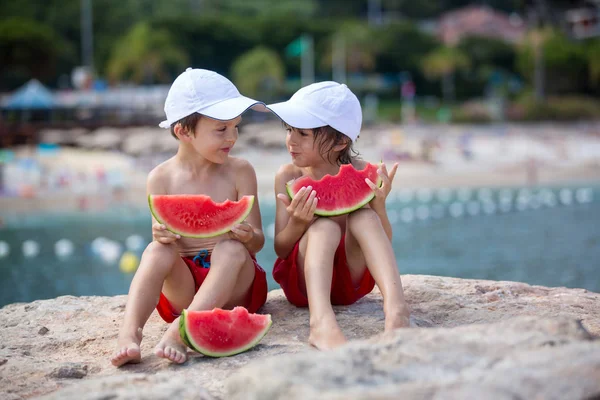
[185, 337]
[206, 235]
[182, 331]
[340, 211]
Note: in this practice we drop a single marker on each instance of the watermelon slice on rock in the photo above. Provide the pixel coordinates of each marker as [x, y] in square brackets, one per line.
[222, 333]
[342, 193]
[198, 216]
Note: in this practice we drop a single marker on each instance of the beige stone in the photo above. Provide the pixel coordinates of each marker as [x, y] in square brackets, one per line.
[62, 347]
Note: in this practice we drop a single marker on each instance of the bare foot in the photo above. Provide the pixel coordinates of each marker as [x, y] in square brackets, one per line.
[128, 351]
[325, 334]
[170, 346]
[399, 318]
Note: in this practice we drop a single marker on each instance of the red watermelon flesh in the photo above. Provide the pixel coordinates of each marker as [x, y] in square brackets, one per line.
[222, 333]
[342, 193]
[198, 216]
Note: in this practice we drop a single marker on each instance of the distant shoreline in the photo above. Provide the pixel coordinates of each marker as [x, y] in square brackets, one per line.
[410, 178]
[453, 156]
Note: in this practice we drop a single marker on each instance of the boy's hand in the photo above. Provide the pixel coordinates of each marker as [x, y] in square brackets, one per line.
[381, 193]
[302, 207]
[162, 235]
[242, 232]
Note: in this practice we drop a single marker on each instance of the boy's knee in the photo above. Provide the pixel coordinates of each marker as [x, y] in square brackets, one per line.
[234, 250]
[362, 216]
[324, 225]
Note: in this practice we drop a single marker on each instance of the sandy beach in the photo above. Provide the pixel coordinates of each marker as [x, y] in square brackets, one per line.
[111, 166]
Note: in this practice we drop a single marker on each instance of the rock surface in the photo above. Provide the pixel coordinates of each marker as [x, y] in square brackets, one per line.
[522, 358]
[60, 348]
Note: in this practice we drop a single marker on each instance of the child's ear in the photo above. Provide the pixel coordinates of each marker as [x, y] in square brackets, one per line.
[181, 133]
[341, 146]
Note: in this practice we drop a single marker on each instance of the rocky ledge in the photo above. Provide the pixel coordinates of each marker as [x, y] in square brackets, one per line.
[471, 339]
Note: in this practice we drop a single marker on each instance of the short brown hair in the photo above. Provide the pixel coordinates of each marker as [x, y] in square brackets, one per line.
[327, 138]
[187, 123]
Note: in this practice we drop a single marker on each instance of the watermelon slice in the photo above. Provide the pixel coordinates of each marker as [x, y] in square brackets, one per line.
[197, 216]
[342, 193]
[222, 333]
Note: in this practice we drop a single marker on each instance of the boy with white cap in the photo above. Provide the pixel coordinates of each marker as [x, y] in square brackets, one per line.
[203, 112]
[336, 260]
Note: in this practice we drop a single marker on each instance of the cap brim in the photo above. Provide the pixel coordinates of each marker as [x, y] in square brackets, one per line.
[232, 108]
[227, 109]
[295, 116]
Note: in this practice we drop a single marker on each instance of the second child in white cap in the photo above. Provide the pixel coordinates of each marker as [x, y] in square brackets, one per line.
[203, 111]
[325, 261]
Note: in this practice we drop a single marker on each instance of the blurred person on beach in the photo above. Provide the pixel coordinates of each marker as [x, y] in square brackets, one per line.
[203, 112]
[325, 261]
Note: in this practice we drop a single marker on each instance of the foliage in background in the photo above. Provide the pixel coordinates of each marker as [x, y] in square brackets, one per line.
[593, 52]
[259, 74]
[565, 61]
[442, 63]
[557, 108]
[268, 8]
[30, 50]
[492, 63]
[146, 55]
[164, 36]
[360, 47]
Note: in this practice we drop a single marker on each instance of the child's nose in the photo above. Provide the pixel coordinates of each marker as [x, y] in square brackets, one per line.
[232, 137]
[291, 139]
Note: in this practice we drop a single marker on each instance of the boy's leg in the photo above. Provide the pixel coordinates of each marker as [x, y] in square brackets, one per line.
[367, 244]
[228, 284]
[315, 271]
[160, 264]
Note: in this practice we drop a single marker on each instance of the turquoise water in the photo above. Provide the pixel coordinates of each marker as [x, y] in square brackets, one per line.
[544, 236]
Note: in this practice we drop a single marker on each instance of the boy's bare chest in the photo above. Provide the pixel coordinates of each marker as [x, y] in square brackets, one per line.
[219, 188]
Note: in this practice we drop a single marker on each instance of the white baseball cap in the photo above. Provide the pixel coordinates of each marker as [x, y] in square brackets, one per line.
[207, 93]
[320, 104]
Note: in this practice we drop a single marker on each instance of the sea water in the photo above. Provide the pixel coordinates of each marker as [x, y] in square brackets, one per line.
[544, 236]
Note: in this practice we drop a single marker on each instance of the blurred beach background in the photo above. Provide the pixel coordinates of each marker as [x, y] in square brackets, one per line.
[491, 108]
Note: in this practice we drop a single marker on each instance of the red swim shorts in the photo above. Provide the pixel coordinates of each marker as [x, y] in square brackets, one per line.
[343, 292]
[199, 272]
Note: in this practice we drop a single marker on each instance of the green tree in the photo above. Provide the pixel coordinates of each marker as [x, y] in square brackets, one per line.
[443, 63]
[266, 8]
[485, 51]
[489, 57]
[259, 73]
[146, 55]
[29, 50]
[565, 61]
[402, 47]
[360, 47]
[593, 53]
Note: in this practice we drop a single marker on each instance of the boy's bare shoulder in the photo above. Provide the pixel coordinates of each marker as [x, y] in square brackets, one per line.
[287, 172]
[160, 170]
[159, 176]
[239, 163]
[240, 166]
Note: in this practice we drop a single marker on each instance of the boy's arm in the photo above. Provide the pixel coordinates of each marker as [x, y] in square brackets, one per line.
[381, 193]
[156, 184]
[247, 185]
[385, 222]
[287, 231]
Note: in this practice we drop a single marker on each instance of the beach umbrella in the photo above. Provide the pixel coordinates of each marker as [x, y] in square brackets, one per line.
[31, 96]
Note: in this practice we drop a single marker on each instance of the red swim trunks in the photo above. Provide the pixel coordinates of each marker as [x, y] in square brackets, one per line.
[343, 292]
[199, 270]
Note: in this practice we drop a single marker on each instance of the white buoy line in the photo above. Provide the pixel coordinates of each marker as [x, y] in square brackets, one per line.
[432, 204]
[107, 250]
[527, 197]
[426, 204]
